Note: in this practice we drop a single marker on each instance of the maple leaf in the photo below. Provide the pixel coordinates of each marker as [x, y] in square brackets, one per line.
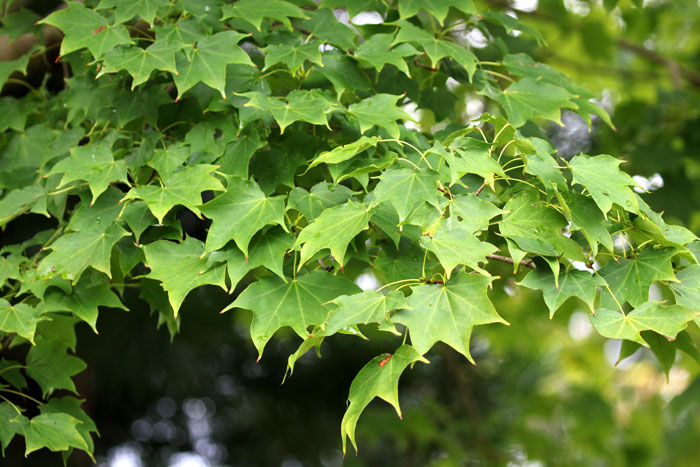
[140, 63]
[239, 212]
[322, 196]
[666, 320]
[181, 188]
[333, 229]
[254, 11]
[56, 431]
[379, 110]
[83, 28]
[181, 268]
[377, 52]
[580, 284]
[324, 25]
[529, 98]
[604, 181]
[448, 312]
[266, 249]
[435, 48]
[94, 164]
[438, 8]
[298, 304]
[378, 378]
[306, 106]
[629, 280]
[124, 10]
[292, 55]
[458, 246]
[405, 188]
[345, 152]
[89, 294]
[20, 319]
[207, 62]
[49, 364]
[366, 307]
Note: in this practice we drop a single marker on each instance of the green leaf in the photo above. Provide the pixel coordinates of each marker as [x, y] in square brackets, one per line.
[458, 246]
[146, 106]
[20, 319]
[448, 312]
[266, 250]
[378, 378]
[292, 55]
[343, 73]
[345, 152]
[297, 304]
[541, 164]
[239, 212]
[236, 158]
[580, 284]
[71, 406]
[536, 228]
[7, 67]
[140, 63]
[687, 289]
[184, 33]
[89, 294]
[128, 9]
[469, 155]
[438, 8]
[650, 316]
[181, 268]
[322, 196]
[207, 62]
[83, 28]
[363, 308]
[55, 431]
[587, 217]
[376, 52]
[94, 164]
[253, 11]
[629, 280]
[529, 99]
[8, 429]
[359, 167]
[10, 372]
[182, 188]
[333, 229]
[601, 176]
[18, 23]
[72, 253]
[31, 198]
[323, 24]
[511, 24]
[305, 106]
[49, 364]
[523, 65]
[405, 188]
[435, 48]
[471, 213]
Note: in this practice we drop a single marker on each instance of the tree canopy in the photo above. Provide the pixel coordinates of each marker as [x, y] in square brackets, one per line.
[277, 150]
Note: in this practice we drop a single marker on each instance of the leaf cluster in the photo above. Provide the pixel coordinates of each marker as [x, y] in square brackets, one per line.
[289, 133]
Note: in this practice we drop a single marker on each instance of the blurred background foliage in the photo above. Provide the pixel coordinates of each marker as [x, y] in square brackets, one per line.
[543, 393]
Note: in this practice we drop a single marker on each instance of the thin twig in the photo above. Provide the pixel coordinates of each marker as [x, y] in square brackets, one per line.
[528, 263]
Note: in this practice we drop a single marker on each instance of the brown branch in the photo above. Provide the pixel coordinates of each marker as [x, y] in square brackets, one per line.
[528, 263]
[676, 69]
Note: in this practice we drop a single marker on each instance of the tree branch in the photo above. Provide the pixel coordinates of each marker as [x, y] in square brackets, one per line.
[528, 263]
[676, 69]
